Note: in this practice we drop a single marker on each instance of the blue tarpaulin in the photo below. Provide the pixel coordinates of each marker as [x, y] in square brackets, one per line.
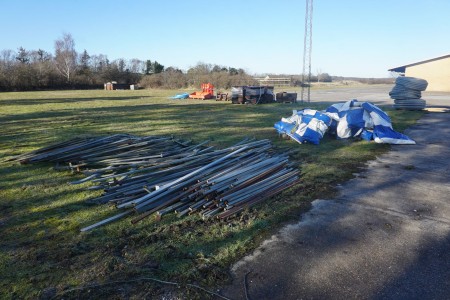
[307, 125]
[346, 120]
[180, 96]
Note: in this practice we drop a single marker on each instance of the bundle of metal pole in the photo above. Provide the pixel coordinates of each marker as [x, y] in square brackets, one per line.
[106, 221]
[159, 193]
[177, 164]
[57, 154]
[238, 192]
[144, 206]
[101, 150]
[232, 210]
[210, 213]
[265, 184]
[23, 158]
[201, 193]
[148, 175]
[245, 198]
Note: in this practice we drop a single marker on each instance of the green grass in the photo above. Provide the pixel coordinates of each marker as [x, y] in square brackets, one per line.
[42, 251]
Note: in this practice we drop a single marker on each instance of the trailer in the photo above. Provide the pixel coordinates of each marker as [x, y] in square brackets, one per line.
[252, 94]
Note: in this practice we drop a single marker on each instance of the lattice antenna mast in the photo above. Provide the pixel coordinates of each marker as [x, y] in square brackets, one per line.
[307, 48]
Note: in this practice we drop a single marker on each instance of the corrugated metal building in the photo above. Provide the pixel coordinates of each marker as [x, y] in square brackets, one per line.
[436, 71]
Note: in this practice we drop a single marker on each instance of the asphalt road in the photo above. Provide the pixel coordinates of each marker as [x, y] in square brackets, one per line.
[377, 94]
[385, 236]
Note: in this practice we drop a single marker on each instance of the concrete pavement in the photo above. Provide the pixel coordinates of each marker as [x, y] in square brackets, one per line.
[386, 235]
[377, 94]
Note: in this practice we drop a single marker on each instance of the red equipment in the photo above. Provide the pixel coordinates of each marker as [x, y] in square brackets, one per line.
[206, 93]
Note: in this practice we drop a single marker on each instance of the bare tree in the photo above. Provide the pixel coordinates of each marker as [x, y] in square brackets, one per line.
[99, 62]
[65, 56]
[7, 58]
[42, 64]
[137, 66]
[7, 61]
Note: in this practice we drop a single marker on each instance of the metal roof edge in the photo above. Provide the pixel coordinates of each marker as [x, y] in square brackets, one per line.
[401, 69]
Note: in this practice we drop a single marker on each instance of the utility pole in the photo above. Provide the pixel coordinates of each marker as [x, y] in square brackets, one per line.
[307, 48]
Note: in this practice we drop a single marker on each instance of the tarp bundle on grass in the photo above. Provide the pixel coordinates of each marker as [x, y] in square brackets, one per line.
[180, 96]
[307, 125]
[346, 120]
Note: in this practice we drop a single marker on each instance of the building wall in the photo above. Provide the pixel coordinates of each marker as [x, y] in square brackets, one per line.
[437, 73]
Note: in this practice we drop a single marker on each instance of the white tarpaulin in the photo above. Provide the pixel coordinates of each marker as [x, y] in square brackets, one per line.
[349, 119]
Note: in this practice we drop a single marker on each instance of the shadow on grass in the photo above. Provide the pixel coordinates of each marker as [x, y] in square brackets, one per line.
[42, 101]
[197, 121]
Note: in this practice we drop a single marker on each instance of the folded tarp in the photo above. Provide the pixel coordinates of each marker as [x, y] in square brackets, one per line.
[307, 125]
[349, 119]
[180, 96]
[346, 120]
[354, 117]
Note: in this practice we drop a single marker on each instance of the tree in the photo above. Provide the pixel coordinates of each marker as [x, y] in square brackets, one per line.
[233, 71]
[23, 56]
[148, 67]
[121, 65]
[136, 66]
[98, 62]
[43, 55]
[216, 69]
[84, 60]
[7, 63]
[43, 67]
[324, 77]
[157, 67]
[84, 73]
[23, 73]
[319, 71]
[65, 56]
[203, 68]
[172, 70]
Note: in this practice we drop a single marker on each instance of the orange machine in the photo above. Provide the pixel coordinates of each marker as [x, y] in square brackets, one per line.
[206, 93]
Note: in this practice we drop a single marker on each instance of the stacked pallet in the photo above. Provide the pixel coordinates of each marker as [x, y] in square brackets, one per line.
[285, 97]
[407, 93]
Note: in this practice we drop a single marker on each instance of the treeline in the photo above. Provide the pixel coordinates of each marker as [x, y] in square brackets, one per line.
[65, 68]
[219, 76]
[24, 69]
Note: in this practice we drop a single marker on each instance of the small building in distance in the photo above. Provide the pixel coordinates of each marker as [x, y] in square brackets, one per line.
[436, 71]
[119, 86]
[274, 81]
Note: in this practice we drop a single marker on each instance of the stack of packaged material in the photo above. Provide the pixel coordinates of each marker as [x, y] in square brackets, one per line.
[407, 93]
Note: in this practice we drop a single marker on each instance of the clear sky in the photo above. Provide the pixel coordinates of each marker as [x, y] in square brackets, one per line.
[360, 38]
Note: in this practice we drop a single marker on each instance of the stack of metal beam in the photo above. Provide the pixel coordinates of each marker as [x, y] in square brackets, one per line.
[83, 152]
[160, 175]
[407, 93]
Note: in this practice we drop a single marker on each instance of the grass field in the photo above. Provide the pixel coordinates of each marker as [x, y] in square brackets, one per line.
[42, 252]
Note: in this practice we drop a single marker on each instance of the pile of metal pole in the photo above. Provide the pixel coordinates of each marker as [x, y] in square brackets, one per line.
[155, 176]
[128, 149]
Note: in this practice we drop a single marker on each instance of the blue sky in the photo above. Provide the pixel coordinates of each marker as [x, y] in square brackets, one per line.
[350, 38]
